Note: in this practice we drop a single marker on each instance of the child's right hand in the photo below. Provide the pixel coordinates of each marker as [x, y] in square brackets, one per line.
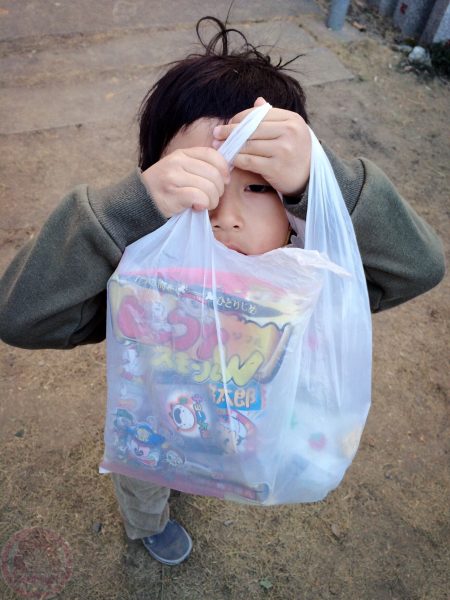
[187, 178]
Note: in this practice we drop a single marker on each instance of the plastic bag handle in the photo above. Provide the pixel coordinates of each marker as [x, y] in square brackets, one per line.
[329, 228]
[234, 142]
[231, 147]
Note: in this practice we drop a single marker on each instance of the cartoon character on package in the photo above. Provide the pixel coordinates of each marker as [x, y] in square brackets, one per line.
[203, 423]
[138, 442]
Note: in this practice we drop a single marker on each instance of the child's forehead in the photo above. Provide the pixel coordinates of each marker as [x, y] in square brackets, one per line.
[199, 133]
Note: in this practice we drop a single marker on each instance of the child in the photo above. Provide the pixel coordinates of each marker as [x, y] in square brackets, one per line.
[53, 293]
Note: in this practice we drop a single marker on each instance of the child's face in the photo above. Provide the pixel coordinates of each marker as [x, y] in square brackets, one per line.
[250, 217]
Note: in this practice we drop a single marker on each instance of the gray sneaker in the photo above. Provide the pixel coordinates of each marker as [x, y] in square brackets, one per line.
[171, 546]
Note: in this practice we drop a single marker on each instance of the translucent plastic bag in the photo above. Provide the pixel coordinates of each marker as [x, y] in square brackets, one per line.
[241, 377]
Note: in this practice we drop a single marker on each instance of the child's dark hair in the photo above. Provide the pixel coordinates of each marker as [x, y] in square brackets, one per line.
[216, 84]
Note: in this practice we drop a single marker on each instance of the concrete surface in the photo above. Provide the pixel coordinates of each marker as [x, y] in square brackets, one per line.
[45, 17]
[65, 64]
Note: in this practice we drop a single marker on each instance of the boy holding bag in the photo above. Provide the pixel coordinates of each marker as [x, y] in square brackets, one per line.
[53, 293]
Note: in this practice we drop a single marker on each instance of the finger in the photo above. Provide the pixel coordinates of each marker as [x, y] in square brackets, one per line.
[269, 130]
[278, 114]
[192, 166]
[258, 148]
[209, 156]
[210, 204]
[274, 117]
[259, 101]
[185, 165]
[255, 164]
[221, 132]
[211, 189]
[193, 197]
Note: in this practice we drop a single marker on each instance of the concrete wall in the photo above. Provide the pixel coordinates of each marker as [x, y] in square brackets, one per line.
[426, 21]
[437, 28]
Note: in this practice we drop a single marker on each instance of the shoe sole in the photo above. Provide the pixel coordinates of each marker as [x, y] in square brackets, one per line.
[170, 563]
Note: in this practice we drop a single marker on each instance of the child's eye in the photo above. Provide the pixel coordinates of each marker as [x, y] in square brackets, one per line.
[259, 188]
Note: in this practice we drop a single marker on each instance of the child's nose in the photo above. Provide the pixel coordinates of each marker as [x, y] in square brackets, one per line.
[227, 215]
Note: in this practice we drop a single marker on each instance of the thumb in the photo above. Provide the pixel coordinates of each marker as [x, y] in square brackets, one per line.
[259, 101]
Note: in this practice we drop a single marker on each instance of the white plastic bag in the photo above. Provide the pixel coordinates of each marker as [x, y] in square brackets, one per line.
[242, 377]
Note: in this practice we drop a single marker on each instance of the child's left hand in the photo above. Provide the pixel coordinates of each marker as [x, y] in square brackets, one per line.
[279, 150]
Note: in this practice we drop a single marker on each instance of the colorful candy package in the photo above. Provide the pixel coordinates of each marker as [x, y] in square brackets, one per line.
[241, 377]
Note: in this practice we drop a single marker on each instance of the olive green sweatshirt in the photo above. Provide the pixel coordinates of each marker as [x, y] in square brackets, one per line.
[53, 294]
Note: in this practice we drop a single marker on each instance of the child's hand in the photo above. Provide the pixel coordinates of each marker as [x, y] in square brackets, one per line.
[187, 178]
[279, 150]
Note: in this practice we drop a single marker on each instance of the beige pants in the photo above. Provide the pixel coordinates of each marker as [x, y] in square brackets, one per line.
[143, 506]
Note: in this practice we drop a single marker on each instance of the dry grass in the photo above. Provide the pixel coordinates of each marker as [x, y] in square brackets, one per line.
[323, 550]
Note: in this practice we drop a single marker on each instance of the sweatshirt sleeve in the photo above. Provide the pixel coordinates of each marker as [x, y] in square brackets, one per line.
[53, 294]
[401, 254]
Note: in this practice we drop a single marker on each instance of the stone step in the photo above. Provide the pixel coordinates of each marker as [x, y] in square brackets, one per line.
[48, 17]
[89, 57]
[104, 80]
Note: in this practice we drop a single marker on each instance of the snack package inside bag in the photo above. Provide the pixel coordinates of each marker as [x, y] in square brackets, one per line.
[224, 377]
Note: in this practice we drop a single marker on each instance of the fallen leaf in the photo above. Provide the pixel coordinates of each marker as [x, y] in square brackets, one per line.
[97, 527]
[336, 531]
[265, 583]
[358, 26]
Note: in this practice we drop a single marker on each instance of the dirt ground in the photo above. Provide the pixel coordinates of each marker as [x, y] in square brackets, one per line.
[384, 533]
